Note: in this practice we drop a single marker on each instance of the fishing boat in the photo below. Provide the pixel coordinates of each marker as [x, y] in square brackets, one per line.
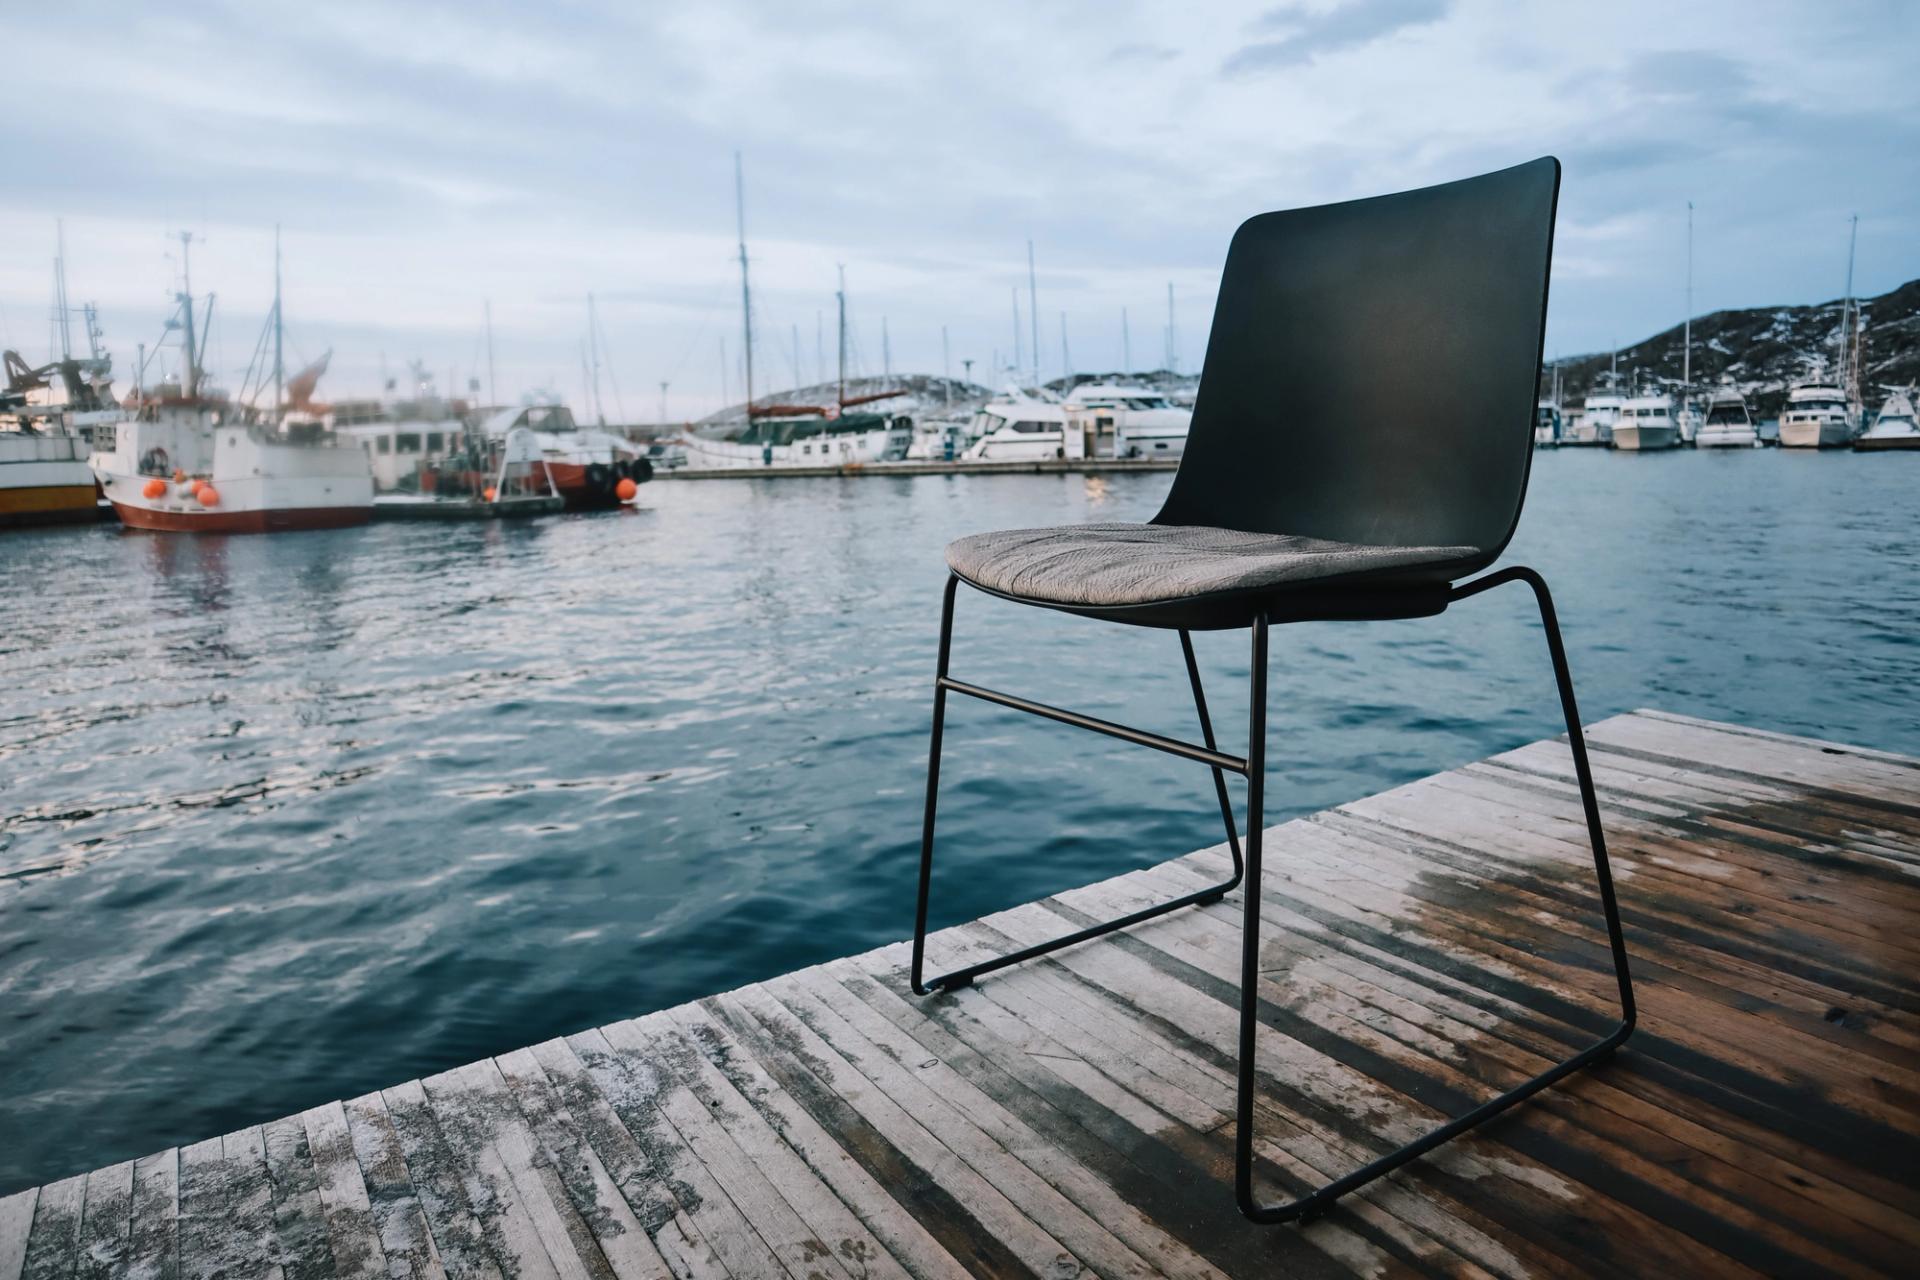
[798, 435]
[190, 459]
[1816, 416]
[1894, 427]
[1728, 425]
[405, 439]
[1646, 423]
[1125, 421]
[1547, 425]
[589, 467]
[48, 417]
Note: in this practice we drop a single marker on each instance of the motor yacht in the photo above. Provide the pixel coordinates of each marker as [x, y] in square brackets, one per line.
[1728, 425]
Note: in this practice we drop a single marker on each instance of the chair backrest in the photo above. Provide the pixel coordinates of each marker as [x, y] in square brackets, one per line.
[1373, 367]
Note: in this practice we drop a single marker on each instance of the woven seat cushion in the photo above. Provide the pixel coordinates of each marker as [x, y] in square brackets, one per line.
[1115, 565]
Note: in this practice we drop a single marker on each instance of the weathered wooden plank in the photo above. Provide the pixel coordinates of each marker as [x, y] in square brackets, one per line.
[153, 1243]
[299, 1218]
[203, 1210]
[441, 1177]
[104, 1222]
[798, 1246]
[16, 1223]
[633, 1088]
[353, 1236]
[621, 1238]
[54, 1240]
[404, 1236]
[253, 1246]
[840, 1174]
[470, 1123]
[649, 1194]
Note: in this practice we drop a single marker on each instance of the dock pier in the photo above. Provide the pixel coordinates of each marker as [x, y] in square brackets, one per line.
[1425, 947]
[958, 467]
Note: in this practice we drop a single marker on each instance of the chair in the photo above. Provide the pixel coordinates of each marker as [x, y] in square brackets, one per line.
[1359, 449]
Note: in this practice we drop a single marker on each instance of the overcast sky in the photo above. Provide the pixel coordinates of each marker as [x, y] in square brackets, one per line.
[421, 165]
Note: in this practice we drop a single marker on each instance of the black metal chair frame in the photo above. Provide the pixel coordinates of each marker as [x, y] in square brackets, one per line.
[1247, 866]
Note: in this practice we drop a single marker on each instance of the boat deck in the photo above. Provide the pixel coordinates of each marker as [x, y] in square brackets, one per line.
[1072, 1117]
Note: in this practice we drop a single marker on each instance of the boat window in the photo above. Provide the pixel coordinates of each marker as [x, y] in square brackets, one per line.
[436, 441]
[407, 442]
[383, 444]
[1028, 428]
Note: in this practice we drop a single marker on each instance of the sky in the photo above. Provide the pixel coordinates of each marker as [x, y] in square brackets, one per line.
[425, 163]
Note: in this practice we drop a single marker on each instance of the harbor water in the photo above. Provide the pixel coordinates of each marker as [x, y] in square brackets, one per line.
[288, 818]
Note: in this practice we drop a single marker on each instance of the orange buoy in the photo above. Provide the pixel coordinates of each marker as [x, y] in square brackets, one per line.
[178, 475]
[208, 495]
[626, 489]
[154, 488]
[489, 493]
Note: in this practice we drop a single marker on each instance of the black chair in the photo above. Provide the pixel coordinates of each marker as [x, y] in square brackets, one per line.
[1359, 446]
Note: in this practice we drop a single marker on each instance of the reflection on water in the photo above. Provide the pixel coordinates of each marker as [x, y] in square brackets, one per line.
[287, 818]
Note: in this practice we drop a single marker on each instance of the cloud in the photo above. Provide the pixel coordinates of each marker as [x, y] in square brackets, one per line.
[1308, 36]
[1141, 53]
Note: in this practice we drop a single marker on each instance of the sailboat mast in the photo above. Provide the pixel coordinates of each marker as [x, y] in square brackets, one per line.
[1126, 345]
[840, 297]
[1686, 354]
[1066, 361]
[1173, 357]
[279, 337]
[1849, 371]
[1033, 314]
[593, 346]
[746, 292]
[1019, 356]
[886, 351]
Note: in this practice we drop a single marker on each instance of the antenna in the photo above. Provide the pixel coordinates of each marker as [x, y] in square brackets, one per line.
[886, 352]
[493, 391]
[663, 404]
[746, 293]
[946, 370]
[968, 366]
[190, 381]
[1033, 314]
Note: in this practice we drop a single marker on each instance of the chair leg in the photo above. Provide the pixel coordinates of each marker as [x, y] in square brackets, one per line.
[1318, 1201]
[963, 977]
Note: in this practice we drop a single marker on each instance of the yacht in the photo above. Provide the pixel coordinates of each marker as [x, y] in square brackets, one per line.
[1816, 416]
[1021, 427]
[1547, 425]
[189, 459]
[1127, 421]
[1597, 417]
[1646, 423]
[1894, 428]
[804, 436]
[1727, 425]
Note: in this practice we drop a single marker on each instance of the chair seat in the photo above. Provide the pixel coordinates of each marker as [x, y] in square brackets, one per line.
[1131, 566]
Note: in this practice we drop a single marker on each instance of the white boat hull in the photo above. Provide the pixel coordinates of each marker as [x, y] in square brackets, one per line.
[1824, 434]
[1011, 446]
[44, 479]
[1644, 439]
[1727, 438]
[852, 449]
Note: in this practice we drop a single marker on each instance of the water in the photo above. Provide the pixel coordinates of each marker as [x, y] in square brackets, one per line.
[284, 819]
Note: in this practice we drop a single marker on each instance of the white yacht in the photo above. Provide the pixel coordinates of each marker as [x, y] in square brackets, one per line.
[1595, 425]
[1646, 423]
[1141, 422]
[804, 436]
[1019, 427]
[1547, 425]
[1816, 416]
[1894, 428]
[1728, 425]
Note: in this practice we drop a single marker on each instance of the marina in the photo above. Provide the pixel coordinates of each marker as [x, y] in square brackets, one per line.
[1072, 1116]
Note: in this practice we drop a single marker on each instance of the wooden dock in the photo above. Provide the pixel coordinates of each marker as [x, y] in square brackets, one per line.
[1071, 1117]
[958, 467]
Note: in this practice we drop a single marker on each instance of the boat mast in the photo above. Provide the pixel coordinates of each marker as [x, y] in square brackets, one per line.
[1066, 361]
[493, 393]
[1686, 354]
[1019, 356]
[60, 288]
[1849, 371]
[279, 341]
[746, 293]
[1126, 345]
[1033, 314]
[593, 344]
[1172, 341]
[190, 379]
[840, 297]
[946, 370]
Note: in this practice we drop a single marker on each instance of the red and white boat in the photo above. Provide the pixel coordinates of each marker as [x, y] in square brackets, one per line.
[587, 467]
[189, 459]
